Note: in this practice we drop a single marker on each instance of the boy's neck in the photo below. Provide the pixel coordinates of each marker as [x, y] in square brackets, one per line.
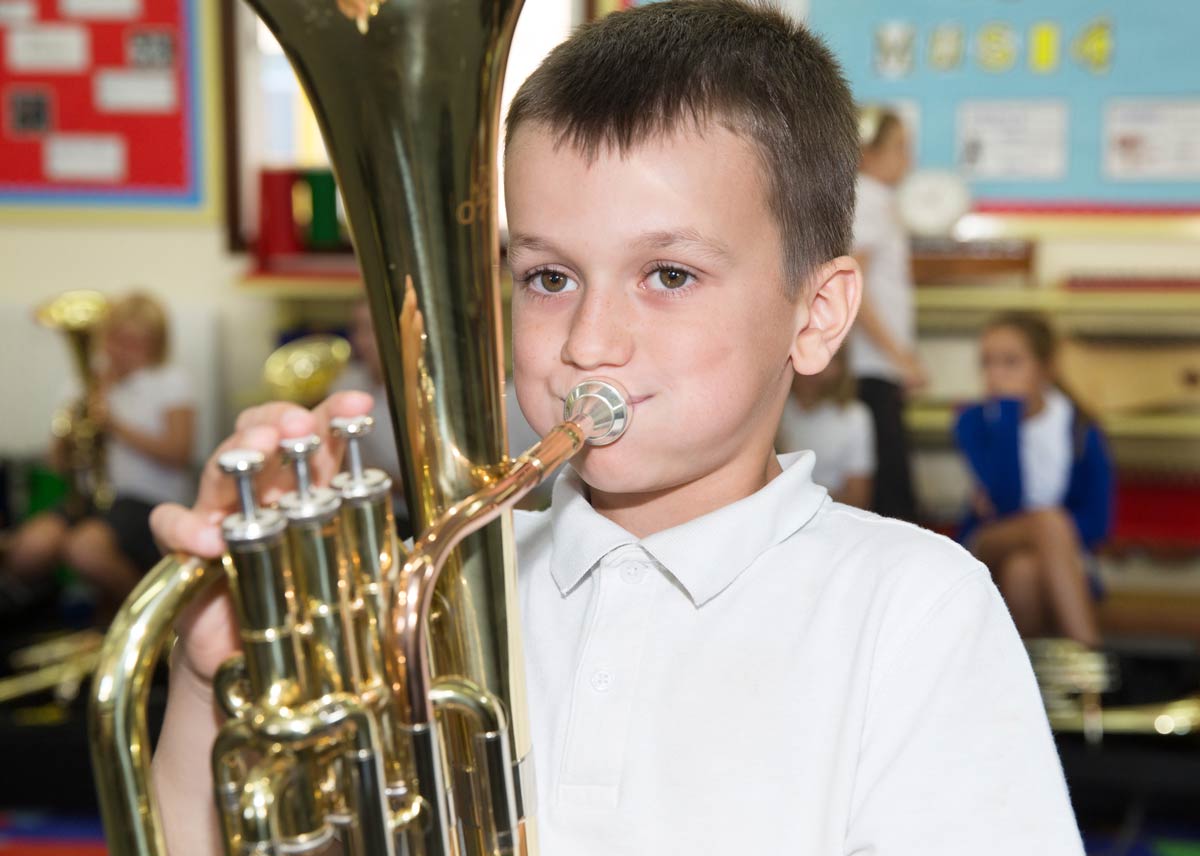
[644, 514]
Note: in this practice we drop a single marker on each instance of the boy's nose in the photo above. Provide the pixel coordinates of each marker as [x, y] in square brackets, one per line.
[600, 332]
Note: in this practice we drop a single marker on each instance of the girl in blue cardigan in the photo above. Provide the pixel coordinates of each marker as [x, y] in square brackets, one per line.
[1044, 482]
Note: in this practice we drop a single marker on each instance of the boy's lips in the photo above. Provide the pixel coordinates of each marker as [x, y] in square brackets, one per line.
[632, 401]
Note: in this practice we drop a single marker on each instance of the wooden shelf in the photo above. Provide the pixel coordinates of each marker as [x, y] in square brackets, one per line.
[313, 287]
[943, 309]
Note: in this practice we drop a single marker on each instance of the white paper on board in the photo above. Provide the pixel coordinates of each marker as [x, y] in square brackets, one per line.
[51, 48]
[1152, 139]
[119, 90]
[85, 157]
[1012, 139]
[17, 11]
[105, 9]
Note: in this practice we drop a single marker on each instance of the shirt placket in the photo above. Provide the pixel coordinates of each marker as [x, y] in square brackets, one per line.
[605, 681]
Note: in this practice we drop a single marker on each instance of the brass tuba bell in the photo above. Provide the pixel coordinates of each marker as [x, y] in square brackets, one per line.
[379, 698]
[79, 315]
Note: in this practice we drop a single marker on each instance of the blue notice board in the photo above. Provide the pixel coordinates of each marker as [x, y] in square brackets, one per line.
[1069, 105]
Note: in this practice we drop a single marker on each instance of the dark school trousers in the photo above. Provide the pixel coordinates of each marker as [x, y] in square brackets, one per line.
[893, 495]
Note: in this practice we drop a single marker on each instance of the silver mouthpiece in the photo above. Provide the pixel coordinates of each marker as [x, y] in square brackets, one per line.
[600, 408]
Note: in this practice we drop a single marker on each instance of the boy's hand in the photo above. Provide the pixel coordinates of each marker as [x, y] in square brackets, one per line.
[207, 630]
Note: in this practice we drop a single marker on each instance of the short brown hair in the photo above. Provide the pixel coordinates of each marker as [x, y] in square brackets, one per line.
[646, 71]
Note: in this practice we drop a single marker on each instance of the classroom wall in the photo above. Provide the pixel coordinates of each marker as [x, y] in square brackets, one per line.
[225, 330]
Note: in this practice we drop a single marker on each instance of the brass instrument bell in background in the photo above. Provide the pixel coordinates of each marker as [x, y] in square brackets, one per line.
[79, 316]
[305, 369]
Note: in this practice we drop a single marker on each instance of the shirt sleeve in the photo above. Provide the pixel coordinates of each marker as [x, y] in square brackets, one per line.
[174, 389]
[870, 221]
[957, 756]
[860, 460]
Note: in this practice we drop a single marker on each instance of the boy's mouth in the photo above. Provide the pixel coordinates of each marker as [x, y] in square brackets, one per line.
[632, 401]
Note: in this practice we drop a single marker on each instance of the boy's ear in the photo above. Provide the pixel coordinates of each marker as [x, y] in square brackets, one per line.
[826, 313]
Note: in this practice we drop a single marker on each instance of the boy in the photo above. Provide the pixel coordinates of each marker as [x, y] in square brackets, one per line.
[719, 658]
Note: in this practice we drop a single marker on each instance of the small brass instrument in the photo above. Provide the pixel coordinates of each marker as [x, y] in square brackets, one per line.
[59, 665]
[1073, 680]
[305, 369]
[79, 316]
[379, 697]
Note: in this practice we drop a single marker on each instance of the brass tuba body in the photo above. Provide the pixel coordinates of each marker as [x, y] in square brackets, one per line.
[79, 315]
[379, 698]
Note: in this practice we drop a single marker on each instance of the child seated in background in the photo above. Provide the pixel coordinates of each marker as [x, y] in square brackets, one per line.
[145, 410]
[1044, 482]
[824, 414]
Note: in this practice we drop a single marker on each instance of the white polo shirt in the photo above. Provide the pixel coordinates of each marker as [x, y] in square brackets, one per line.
[782, 676]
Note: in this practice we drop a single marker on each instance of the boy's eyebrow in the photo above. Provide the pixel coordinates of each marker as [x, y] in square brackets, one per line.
[518, 243]
[689, 238]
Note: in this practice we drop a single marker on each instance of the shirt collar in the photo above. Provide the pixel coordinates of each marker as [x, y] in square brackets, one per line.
[704, 555]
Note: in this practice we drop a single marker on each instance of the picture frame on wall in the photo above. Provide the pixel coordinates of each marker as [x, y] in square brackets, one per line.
[110, 118]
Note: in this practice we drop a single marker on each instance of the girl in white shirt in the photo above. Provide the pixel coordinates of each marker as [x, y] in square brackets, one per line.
[824, 416]
[145, 409]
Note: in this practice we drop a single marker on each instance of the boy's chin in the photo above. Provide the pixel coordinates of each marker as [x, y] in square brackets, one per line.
[617, 470]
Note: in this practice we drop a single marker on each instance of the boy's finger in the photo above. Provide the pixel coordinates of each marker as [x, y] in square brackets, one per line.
[218, 491]
[261, 429]
[278, 414]
[179, 529]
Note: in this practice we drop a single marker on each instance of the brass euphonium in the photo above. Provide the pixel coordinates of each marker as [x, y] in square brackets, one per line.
[78, 315]
[379, 697]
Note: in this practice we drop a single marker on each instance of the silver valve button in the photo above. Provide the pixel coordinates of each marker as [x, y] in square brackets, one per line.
[297, 451]
[243, 465]
[254, 523]
[352, 430]
[307, 502]
[358, 483]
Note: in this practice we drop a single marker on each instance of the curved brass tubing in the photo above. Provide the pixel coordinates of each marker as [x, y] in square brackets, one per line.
[117, 718]
[1175, 718]
[414, 585]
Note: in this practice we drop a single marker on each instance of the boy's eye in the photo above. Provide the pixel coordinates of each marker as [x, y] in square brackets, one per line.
[551, 282]
[669, 278]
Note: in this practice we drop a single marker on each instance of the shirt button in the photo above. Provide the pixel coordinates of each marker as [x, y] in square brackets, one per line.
[601, 680]
[633, 574]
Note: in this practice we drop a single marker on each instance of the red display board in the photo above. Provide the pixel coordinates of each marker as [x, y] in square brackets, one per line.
[98, 102]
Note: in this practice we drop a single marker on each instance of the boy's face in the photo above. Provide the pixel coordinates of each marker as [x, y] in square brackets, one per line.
[661, 269]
